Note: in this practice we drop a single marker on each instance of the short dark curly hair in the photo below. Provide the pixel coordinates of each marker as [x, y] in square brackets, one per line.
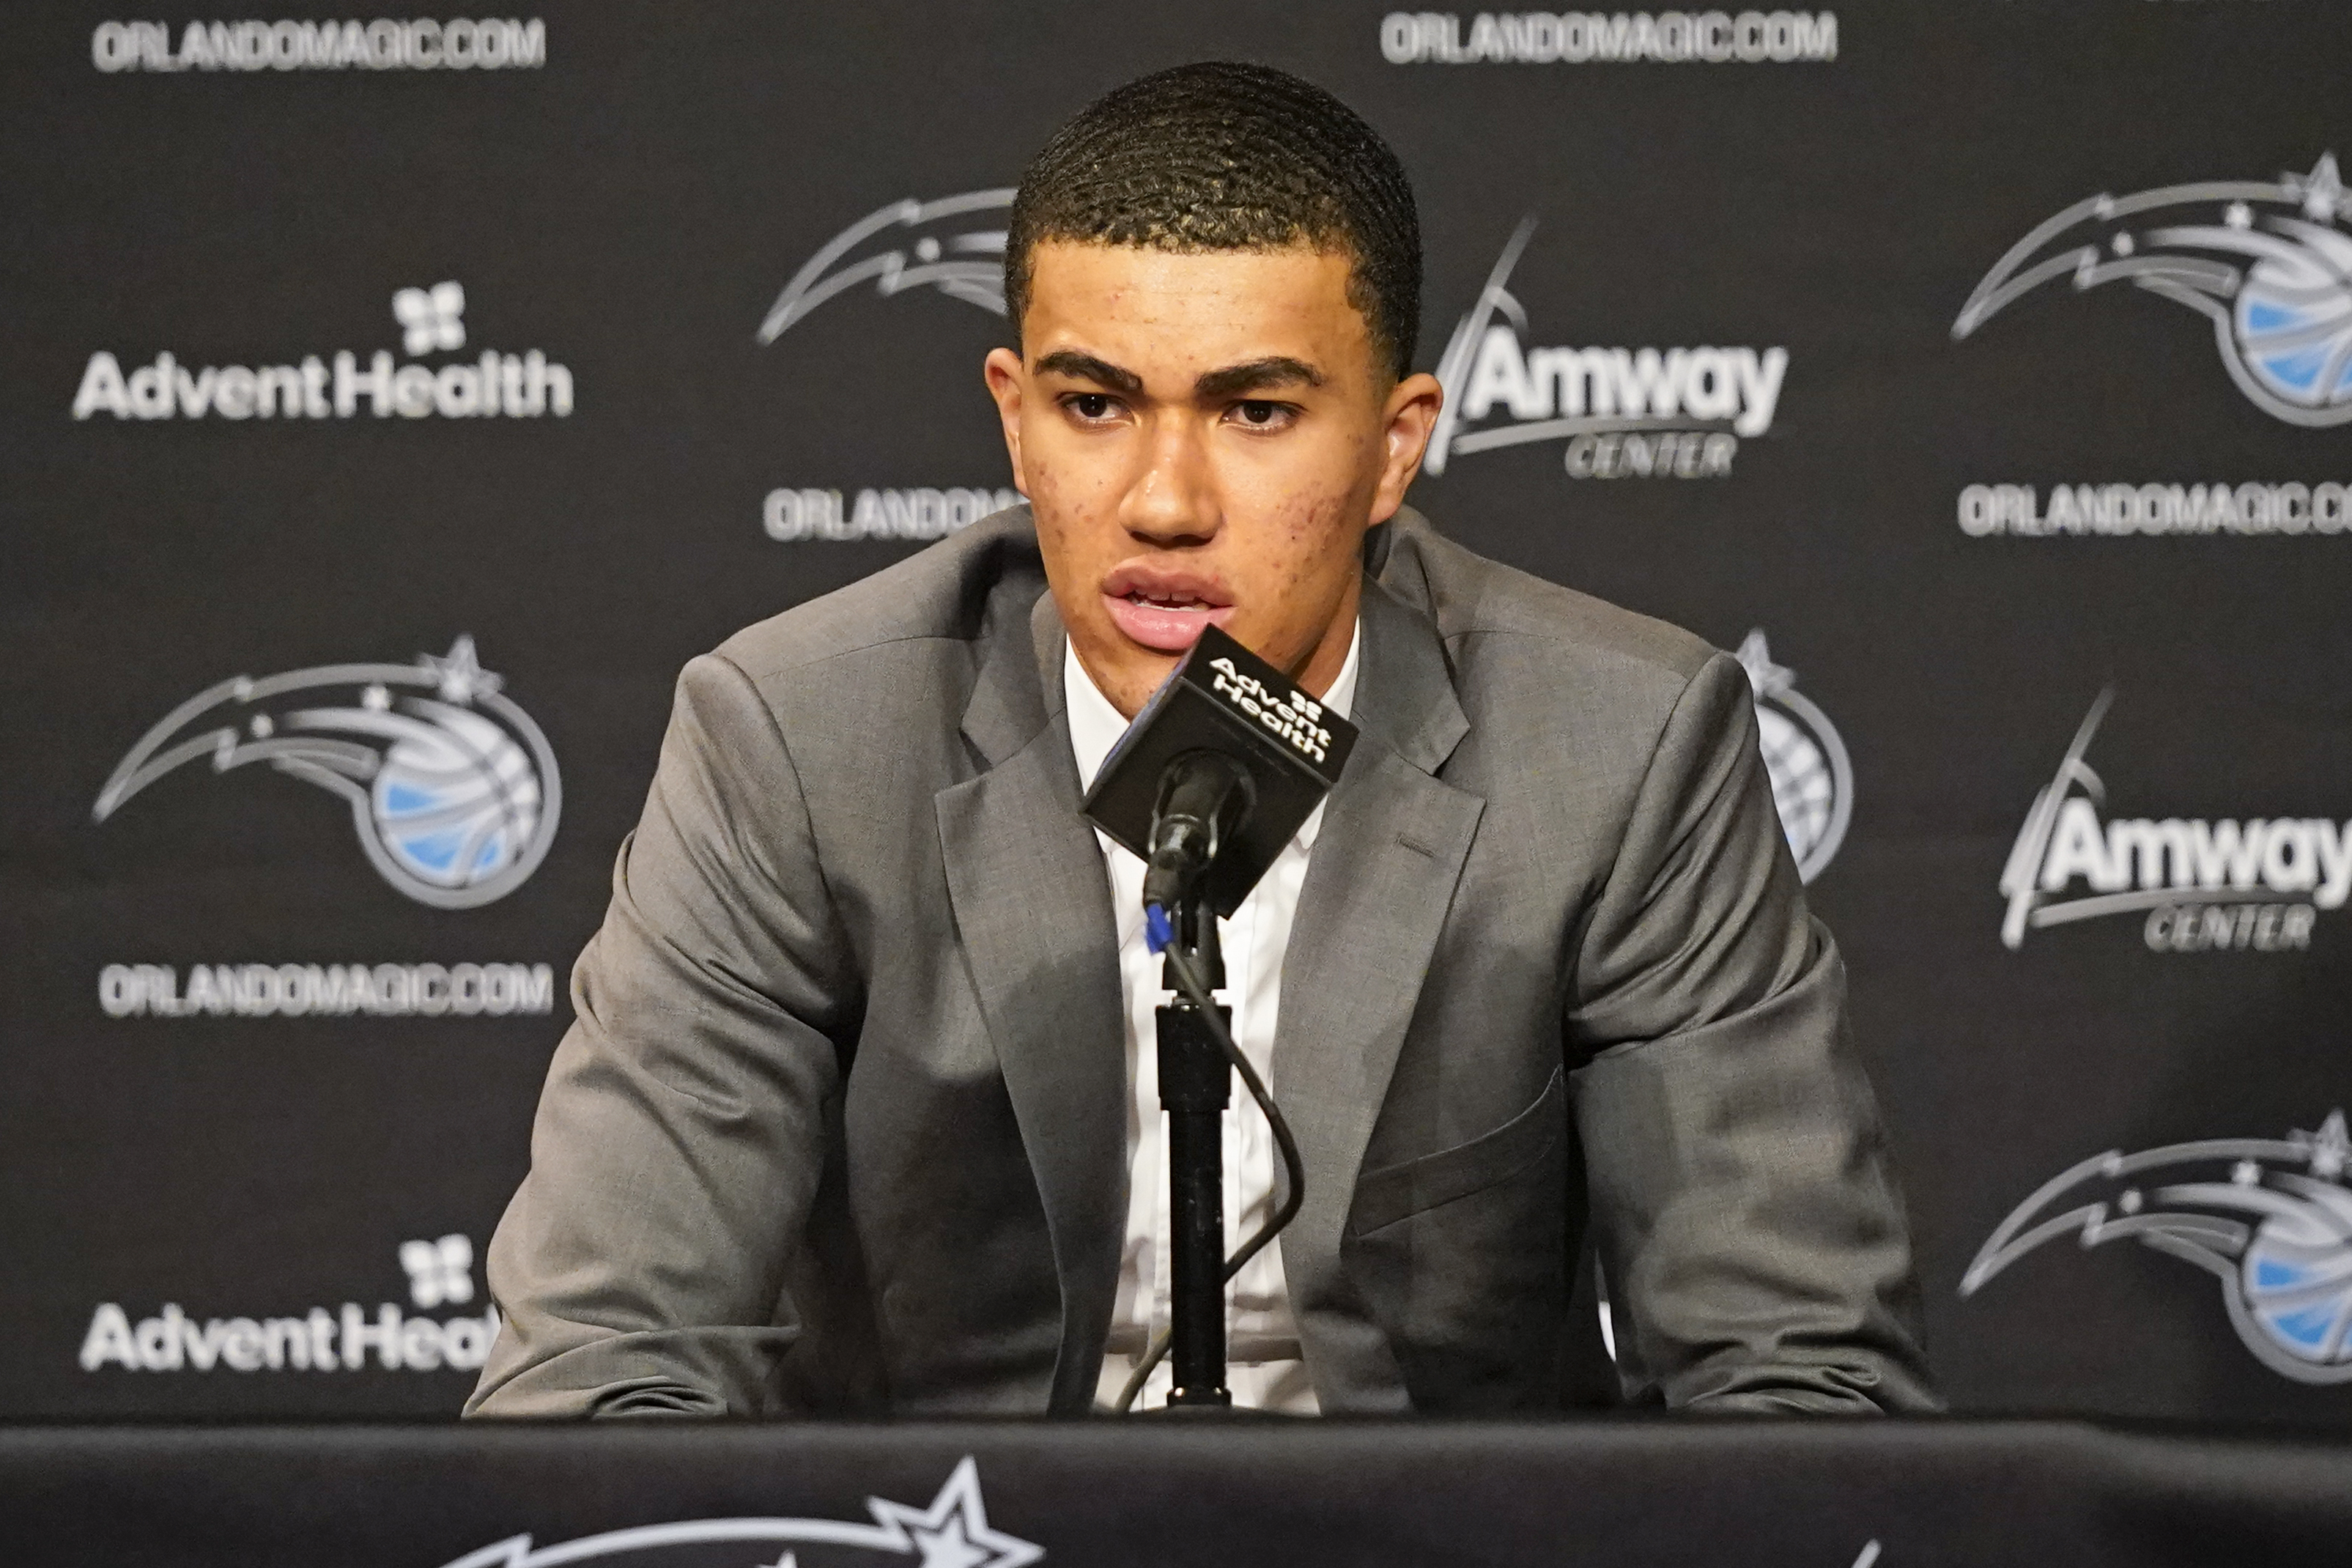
[1226, 156]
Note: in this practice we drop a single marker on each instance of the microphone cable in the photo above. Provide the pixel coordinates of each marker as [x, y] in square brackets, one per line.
[1189, 981]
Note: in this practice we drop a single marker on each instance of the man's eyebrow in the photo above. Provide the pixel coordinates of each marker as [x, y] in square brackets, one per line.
[1255, 375]
[1085, 367]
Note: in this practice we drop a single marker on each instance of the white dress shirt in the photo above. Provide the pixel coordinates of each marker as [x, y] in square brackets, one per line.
[1263, 1368]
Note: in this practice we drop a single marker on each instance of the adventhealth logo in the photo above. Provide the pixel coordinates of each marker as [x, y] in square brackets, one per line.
[440, 1273]
[493, 384]
[433, 317]
[1290, 715]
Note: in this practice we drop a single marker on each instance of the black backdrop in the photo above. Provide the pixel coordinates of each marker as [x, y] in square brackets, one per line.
[274, 1027]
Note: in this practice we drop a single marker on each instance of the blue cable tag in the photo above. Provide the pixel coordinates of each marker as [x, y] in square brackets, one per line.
[1158, 930]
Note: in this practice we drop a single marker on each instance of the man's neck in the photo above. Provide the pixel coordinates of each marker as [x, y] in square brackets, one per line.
[1332, 653]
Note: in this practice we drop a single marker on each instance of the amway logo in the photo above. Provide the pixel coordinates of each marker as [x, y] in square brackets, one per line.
[493, 385]
[2225, 885]
[1649, 413]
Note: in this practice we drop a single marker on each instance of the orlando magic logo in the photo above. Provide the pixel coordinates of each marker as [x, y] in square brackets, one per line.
[1813, 777]
[2271, 1218]
[907, 244]
[2269, 262]
[954, 1532]
[452, 787]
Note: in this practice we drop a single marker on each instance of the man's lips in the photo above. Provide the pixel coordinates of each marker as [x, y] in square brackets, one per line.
[1165, 609]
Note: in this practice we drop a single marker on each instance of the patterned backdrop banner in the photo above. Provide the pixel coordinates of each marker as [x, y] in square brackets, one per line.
[393, 404]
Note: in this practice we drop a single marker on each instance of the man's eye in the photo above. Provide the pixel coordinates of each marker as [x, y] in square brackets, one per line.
[1263, 415]
[1091, 405]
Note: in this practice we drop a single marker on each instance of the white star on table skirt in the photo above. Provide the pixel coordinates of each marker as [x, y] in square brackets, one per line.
[953, 1532]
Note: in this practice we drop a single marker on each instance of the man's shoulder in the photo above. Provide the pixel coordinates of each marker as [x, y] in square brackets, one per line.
[949, 596]
[1496, 619]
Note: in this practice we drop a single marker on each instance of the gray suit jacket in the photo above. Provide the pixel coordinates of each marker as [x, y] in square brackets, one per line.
[841, 1123]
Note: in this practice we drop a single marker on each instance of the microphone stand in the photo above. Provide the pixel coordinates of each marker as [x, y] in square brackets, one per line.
[1195, 1087]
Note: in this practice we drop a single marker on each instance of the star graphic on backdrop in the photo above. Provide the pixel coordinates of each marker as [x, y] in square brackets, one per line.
[460, 673]
[2245, 1172]
[2330, 1147]
[1756, 659]
[2238, 215]
[787, 1561]
[953, 1532]
[2323, 191]
[376, 697]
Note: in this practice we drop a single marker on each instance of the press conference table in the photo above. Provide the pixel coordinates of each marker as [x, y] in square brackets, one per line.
[1653, 1490]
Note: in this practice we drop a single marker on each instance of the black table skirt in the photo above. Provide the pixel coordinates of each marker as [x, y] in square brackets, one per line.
[1815, 1494]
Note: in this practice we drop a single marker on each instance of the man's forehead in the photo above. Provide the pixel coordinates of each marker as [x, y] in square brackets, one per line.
[1184, 311]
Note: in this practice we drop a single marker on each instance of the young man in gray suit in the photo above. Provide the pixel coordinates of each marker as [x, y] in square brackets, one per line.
[854, 1116]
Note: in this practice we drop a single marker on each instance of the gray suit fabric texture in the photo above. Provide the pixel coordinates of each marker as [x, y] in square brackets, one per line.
[840, 1127]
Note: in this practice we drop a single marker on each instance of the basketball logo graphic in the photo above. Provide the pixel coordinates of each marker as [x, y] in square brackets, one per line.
[1812, 778]
[2271, 1218]
[455, 800]
[947, 253]
[2268, 261]
[454, 793]
[2293, 321]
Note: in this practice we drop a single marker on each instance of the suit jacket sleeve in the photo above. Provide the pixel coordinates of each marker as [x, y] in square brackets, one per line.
[1752, 1239]
[679, 1139]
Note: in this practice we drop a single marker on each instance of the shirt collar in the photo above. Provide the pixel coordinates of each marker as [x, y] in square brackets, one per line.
[1096, 726]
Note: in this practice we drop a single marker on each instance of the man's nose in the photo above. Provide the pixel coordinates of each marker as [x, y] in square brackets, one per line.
[1172, 501]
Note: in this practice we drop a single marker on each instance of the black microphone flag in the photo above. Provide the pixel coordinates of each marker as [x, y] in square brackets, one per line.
[1224, 700]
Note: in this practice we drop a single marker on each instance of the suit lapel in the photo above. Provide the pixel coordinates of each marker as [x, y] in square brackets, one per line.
[1390, 851]
[1033, 912]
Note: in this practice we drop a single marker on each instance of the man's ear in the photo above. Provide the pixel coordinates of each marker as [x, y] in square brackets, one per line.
[1002, 371]
[1409, 417]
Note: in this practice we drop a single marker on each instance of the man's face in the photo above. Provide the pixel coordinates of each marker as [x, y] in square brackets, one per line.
[1203, 439]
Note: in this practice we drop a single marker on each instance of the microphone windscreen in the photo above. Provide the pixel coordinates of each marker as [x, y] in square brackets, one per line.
[1222, 698]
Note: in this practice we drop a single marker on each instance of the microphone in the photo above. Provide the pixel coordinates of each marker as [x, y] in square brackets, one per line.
[1208, 785]
[1204, 798]
[1214, 777]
